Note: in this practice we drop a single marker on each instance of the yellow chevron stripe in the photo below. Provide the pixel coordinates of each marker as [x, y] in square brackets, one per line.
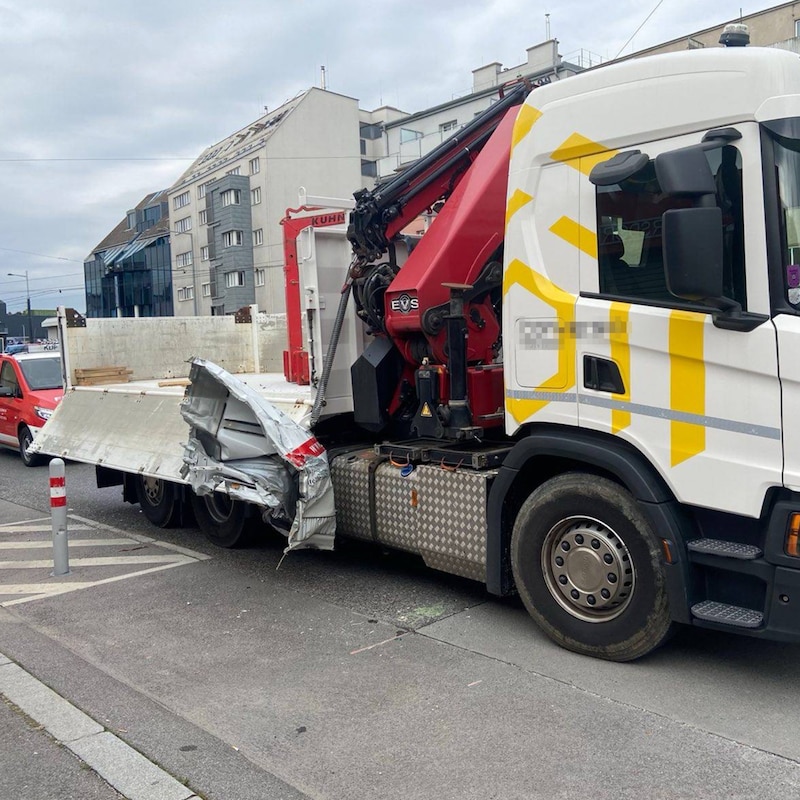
[576, 235]
[621, 356]
[516, 202]
[687, 391]
[526, 119]
[563, 303]
[581, 153]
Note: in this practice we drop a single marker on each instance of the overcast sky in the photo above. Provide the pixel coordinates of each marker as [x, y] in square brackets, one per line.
[103, 101]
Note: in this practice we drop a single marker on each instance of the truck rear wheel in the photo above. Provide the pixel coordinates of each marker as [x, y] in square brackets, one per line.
[222, 519]
[158, 500]
[588, 568]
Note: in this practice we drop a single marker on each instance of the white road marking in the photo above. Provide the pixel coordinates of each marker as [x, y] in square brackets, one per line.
[175, 556]
[12, 527]
[101, 561]
[72, 543]
[44, 590]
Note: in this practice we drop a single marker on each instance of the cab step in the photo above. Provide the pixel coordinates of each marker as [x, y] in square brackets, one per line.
[718, 547]
[724, 614]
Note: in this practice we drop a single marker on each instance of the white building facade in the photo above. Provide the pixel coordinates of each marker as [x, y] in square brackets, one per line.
[225, 210]
[412, 136]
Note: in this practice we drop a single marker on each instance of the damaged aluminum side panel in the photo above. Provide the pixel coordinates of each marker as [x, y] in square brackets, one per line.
[244, 445]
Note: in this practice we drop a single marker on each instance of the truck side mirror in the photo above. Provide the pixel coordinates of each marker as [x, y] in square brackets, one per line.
[692, 250]
[685, 172]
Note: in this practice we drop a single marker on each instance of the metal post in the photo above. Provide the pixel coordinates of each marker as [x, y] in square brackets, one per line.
[58, 512]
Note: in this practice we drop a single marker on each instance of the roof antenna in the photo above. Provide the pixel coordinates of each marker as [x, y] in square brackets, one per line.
[322, 82]
[547, 27]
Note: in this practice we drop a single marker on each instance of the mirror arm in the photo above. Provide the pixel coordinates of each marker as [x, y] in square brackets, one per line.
[724, 304]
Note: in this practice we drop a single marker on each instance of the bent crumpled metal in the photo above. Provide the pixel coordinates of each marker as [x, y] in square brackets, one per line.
[244, 445]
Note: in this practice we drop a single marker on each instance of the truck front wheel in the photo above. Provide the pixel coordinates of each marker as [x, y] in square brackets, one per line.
[222, 519]
[158, 500]
[588, 568]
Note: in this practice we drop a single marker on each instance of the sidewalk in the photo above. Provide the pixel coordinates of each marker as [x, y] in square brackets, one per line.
[33, 766]
[51, 748]
[108, 757]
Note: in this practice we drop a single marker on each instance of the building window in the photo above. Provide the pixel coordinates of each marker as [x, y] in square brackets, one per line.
[202, 188]
[258, 237]
[234, 171]
[369, 131]
[255, 196]
[131, 220]
[203, 217]
[186, 293]
[231, 197]
[369, 169]
[204, 253]
[255, 166]
[408, 135]
[183, 259]
[261, 277]
[233, 279]
[183, 225]
[232, 239]
[181, 200]
[448, 126]
[206, 289]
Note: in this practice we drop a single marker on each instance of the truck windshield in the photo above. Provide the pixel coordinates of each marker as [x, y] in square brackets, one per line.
[787, 170]
[42, 373]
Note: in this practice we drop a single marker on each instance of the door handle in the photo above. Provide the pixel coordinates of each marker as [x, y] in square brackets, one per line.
[602, 375]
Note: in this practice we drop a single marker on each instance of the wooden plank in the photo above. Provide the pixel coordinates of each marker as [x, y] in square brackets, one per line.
[175, 382]
[93, 376]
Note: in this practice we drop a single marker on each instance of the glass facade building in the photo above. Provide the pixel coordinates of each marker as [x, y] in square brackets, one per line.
[129, 273]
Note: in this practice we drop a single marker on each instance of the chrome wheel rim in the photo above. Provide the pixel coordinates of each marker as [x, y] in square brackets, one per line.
[588, 569]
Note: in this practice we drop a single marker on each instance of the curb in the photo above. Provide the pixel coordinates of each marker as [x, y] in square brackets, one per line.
[127, 770]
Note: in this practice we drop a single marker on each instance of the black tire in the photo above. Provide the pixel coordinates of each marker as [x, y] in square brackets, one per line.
[222, 520]
[29, 459]
[588, 568]
[159, 500]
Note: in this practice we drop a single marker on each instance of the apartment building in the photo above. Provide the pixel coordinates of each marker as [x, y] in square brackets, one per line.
[778, 26]
[411, 136]
[225, 210]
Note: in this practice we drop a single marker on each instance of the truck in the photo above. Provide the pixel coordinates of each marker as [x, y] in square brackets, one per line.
[578, 385]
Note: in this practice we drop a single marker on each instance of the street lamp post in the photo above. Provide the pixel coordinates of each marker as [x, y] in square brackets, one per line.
[28, 293]
[194, 278]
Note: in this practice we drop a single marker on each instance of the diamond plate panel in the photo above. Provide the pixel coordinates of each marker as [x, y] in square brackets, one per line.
[452, 519]
[350, 476]
[435, 512]
[397, 510]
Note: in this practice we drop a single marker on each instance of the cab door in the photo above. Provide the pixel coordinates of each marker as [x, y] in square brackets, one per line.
[701, 402]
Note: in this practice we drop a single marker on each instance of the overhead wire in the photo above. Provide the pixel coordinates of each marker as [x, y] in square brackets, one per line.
[639, 28]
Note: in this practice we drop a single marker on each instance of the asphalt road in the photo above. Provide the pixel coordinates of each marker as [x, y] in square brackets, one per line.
[362, 674]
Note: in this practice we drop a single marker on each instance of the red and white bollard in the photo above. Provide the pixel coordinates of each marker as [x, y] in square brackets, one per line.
[58, 513]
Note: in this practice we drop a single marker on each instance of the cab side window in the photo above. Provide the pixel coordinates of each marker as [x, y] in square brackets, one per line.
[8, 378]
[629, 234]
